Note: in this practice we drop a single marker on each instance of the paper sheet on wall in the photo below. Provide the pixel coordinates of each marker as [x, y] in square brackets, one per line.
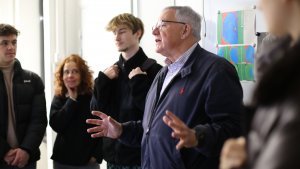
[237, 39]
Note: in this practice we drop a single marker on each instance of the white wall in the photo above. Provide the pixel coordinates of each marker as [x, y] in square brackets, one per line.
[98, 46]
[24, 15]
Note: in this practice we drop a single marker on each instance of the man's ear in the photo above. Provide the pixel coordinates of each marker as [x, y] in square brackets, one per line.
[138, 34]
[187, 30]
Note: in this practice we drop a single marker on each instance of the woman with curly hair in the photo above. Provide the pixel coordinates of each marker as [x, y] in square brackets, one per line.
[73, 147]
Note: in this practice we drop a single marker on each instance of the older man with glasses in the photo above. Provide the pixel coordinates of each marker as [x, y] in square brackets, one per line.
[193, 105]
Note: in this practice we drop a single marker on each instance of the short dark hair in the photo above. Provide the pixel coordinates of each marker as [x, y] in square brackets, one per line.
[6, 29]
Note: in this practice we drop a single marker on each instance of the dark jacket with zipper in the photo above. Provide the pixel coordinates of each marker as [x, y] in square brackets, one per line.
[73, 145]
[30, 112]
[206, 95]
[124, 100]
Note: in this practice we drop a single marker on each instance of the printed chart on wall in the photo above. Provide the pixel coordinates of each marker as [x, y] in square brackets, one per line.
[236, 40]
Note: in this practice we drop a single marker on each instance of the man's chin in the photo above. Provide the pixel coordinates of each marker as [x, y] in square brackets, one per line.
[123, 49]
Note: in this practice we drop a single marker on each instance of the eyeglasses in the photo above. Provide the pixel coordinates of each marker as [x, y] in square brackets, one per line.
[73, 72]
[161, 23]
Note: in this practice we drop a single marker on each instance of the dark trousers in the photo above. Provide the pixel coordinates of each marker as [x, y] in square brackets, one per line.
[114, 166]
[57, 165]
[29, 166]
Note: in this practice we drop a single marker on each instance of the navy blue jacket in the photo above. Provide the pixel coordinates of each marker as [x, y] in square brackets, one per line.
[206, 94]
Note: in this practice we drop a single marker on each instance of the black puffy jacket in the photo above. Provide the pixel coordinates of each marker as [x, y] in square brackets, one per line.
[30, 112]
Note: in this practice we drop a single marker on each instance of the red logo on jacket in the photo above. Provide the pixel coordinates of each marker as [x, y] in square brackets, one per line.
[181, 91]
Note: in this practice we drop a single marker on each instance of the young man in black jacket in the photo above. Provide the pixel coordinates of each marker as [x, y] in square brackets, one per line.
[120, 90]
[23, 117]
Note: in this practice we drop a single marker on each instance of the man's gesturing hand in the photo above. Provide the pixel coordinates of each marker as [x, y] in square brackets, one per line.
[105, 127]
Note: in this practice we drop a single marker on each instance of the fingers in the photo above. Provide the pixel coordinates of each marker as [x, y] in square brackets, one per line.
[99, 114]
[16, 160]
[136, 71]
[115, 67]
[9, 159]
[112, 72]
[113, 122]
[241, 141]
[97, 131]
[233, 153]
[99, 134]
[10, 156]
[173, 117]
[180, 144]
[97, 122]
[187, 137]
[174, 122]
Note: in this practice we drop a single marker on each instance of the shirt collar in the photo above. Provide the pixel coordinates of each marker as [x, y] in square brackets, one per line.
[178, 64]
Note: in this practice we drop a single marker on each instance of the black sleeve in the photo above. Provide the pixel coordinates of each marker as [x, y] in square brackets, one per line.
[97, 151]
[102, 92]
[4, 148]
[61, 113]
[132, 133]
[140, 85]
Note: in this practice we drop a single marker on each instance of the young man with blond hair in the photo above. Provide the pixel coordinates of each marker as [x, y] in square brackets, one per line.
[120, 90]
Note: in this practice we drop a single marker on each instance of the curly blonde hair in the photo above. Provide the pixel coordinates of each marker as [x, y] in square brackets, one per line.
[86, 84]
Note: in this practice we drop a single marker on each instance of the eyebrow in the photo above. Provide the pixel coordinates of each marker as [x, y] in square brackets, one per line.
[6, 40]
[122, 29]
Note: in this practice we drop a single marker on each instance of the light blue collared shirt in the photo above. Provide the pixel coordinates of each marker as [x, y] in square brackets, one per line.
[174, 68]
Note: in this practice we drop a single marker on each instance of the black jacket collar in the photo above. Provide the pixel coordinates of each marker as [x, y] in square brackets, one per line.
[135, 61]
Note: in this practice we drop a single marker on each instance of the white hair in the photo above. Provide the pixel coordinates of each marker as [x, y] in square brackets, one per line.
[187, 15]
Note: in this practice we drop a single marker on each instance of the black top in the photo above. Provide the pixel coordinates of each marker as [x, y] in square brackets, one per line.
[73, 145]
[124, 100]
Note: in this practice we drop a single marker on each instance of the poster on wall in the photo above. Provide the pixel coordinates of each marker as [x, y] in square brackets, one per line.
[242, 57]
[236, 40]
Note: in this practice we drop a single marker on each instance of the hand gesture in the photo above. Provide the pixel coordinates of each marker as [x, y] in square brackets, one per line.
[10, 156]
[17, 157]
[107, 127]
[233, 155]
[112, 72]
[72, 93]
[187, 137]
[136, 71]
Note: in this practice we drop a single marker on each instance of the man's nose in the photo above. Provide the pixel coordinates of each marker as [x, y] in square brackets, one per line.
[117, 37]
[155, 31]
[10, 46]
